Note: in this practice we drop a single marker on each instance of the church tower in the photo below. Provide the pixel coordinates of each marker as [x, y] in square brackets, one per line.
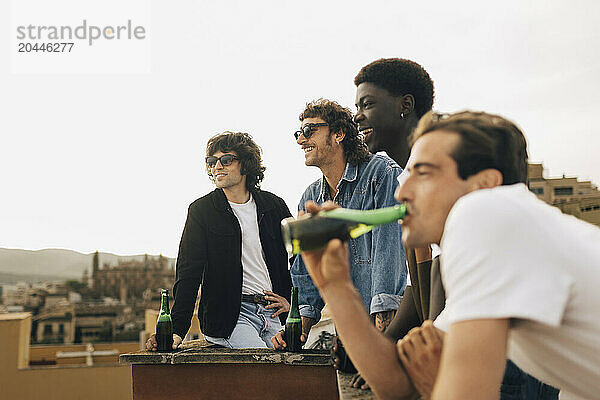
[95, 268]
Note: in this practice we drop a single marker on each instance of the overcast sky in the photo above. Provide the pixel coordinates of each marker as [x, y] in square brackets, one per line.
[111, 162]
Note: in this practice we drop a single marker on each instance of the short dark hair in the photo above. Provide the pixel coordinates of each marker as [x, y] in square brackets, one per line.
[399, 77]
[340, 120]
[248, 152]
[486, 141]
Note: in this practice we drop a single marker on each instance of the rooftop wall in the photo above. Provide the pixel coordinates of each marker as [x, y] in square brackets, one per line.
[18, 381]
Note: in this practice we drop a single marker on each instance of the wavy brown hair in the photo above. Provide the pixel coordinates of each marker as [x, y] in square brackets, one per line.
[248, 152]
[340, 120]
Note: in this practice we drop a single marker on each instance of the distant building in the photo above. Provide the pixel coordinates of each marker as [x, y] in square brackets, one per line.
[26, 296]
[55, 325]
[578, 198]
[76, 323]
[128, 280]
[56, 297]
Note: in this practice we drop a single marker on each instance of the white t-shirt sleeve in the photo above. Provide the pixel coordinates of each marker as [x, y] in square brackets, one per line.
[494, 264]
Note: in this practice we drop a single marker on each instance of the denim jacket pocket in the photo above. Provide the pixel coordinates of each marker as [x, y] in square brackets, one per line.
[360, 250]
[361, 188]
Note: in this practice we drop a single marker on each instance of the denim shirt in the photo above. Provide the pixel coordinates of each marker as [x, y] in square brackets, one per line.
[377, 260]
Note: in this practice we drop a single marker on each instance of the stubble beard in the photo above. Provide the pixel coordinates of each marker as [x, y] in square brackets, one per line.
[319, 160]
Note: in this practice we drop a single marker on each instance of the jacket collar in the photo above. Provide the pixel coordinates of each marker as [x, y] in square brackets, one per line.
[221, 204]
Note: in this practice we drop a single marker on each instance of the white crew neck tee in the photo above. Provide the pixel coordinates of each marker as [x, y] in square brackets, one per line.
[255, 273]
[509, 255]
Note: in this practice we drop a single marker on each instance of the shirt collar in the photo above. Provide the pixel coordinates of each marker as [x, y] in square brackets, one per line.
[350, 174]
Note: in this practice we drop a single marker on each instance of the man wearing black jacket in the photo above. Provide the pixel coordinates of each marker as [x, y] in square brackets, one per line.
[232, 246]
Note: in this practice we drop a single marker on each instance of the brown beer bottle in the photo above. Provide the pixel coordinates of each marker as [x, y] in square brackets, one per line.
[164, 324]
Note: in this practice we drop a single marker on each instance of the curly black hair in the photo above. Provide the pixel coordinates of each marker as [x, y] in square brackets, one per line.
[399, 77]
[340, 120]
[248, 152]
[486, 141]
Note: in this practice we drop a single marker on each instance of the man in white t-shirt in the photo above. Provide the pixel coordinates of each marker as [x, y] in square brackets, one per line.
[522, 280]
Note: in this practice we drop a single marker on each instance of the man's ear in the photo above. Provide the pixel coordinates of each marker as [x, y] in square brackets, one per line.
[485, 179]
[406, 103]
[339, 136]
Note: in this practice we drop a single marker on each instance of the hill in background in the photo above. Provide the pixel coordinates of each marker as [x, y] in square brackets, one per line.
[53, 264]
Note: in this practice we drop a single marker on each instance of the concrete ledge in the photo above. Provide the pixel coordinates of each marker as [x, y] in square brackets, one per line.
[203, 352]
[214, 355]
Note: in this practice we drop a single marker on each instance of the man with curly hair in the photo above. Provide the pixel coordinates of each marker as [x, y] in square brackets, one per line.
[232, 246]
[352, 178]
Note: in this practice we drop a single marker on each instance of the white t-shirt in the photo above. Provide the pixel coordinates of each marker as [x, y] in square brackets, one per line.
[255, 273]
[509, 255]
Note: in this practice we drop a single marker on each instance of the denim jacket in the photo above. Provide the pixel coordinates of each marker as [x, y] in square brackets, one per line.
[377, 259]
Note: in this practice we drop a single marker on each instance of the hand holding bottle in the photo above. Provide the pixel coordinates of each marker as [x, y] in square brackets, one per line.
[314, 231]
[328, 265]
[279, 339]
[164, 339]
[152, 344]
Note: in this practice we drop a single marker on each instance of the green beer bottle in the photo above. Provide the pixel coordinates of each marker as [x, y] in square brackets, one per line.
[293, 325]
[164, 324]
[311, 232]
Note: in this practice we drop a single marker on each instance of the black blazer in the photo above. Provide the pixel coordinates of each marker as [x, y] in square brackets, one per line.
[210, 253]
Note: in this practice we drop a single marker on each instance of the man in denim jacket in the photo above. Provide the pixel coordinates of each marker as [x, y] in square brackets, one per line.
[352, 178]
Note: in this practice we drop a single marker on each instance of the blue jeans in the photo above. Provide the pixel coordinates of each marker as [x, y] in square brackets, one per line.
[518, 385]
[254, 329]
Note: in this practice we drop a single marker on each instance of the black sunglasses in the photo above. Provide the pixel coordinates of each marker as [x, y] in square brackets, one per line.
[308, 129]
[225, 160]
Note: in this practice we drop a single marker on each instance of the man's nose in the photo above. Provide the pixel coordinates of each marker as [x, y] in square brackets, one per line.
[397, 193]
[401, 191]
[400, 194]
[358, 117]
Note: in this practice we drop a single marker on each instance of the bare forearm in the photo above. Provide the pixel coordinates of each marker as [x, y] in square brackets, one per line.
[381, 368]
[473, 360]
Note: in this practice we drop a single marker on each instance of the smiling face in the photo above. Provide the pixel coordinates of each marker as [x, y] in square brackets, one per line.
[429, 187]
[318, 149]
[378, 116]
[227, 177]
